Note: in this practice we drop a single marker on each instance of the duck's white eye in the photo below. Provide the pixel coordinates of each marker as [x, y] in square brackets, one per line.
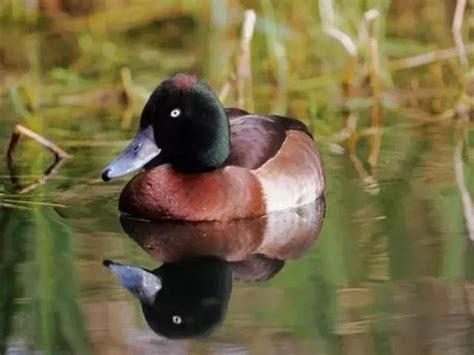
[175, 113]
[177, 320]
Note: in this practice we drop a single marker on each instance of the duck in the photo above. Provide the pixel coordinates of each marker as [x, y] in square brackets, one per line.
[198, 161]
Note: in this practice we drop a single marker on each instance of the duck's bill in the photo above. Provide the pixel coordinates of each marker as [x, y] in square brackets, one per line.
[141, 150]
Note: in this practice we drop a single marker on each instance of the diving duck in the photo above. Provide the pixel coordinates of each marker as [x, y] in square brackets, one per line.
[203, 162]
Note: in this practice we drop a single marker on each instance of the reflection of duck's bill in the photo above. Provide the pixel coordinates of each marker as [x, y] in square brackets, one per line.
[141, 283]
[141, 150]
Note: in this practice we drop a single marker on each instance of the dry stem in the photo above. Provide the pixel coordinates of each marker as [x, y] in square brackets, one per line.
[370, 183]
[230, 82]
[456, 29]
[376, 115]
[427, 58]
[327, 15]
[127, 114]
[464, 192]
[59, 154]
[244, 69]
[46, 143]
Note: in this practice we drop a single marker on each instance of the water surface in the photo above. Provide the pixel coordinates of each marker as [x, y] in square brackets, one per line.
[390, 272]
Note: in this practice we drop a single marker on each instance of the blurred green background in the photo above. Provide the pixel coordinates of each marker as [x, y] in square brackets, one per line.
[387, 87]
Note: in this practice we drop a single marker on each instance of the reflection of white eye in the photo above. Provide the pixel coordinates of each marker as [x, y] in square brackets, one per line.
[177, 320]
[175, 113]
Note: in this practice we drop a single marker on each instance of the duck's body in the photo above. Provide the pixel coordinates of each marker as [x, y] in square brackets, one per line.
[273, 165]
[270, 163]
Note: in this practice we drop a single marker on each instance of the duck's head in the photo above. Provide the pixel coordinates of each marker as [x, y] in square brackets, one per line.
[180, 300]
[183, 124]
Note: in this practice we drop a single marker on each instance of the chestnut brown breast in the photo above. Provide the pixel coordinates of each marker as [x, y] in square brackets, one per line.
[228, 193]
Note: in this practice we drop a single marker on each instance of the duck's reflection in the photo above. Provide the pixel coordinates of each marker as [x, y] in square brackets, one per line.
[282, 235]
[187, 296]
[182, 299]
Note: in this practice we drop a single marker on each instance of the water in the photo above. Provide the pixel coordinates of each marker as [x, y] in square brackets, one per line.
[390, 271]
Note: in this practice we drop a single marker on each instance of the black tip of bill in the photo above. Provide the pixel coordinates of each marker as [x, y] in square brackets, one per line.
[105, 175]
[107, 263]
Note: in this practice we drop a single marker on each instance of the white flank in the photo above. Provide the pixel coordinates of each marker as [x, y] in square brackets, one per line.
[294, 177]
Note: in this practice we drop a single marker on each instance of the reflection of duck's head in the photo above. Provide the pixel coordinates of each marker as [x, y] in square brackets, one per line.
[280, 235]
[180, 300]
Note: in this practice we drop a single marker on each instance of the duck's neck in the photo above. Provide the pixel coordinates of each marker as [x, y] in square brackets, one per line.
[206, 151]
